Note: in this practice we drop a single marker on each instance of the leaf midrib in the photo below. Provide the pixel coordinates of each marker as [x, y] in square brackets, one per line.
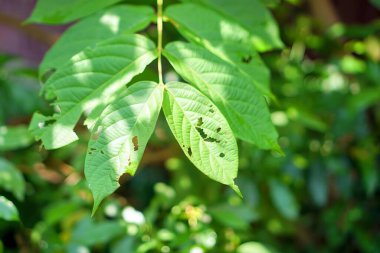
[132, 128]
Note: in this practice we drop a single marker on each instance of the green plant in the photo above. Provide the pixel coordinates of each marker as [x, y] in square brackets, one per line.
[91, 71]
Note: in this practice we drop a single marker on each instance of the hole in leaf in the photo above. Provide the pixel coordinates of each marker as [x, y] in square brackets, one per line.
[201, 132]
[47, 74]
[222, 155]
[205, 137]
[135, 141]
[210, 139]
[246, 59]
[49, 122]
[200, 122]
[189, 151]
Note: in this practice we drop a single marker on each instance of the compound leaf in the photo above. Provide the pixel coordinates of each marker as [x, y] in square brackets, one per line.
[202, 132]
[241, 103]
[120, 136]
[93, 29]
[89, 82]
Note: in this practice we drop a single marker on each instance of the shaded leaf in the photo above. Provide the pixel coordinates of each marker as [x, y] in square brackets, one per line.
[98, 27]
[62, 11]
[376, 3]
[8, 211]
[127, 244]
[88, 83]
[236, 217]
[89, 232]
[12, 138]
[241, 103]
[318, 185]
[11, 179]
[283, 199]
[202, 132]
[120, 136]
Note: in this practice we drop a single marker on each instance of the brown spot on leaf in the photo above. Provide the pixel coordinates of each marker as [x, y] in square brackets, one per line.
[135, 141]
[200, 122]
[218, 130]
[222, 155]
[96, 135]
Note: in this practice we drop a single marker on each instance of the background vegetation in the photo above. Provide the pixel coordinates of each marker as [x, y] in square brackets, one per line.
[323, 196]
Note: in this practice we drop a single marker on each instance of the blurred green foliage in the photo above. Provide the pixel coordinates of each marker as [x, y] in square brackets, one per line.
[323, 196]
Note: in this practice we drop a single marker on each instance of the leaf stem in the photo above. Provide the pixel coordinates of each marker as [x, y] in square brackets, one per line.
[159, 40]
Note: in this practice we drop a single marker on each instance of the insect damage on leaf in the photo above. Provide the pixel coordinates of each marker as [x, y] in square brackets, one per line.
[135, 141]
[200, 122]
[246, 59]
[189, 151]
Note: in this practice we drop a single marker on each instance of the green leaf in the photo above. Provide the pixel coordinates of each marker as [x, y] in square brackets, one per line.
[224, 38]
[12, 138]
[376, 3]
[63, 11]
[11, 179]
[202, 132]
[283, 199]
[90, 233]
[227, 21]
[120, 136]
[98, 27]
[248, 62]
[318, 185]
[8, 211]
[90, 81]
[253, 247]
[127, 244]
[236, 96]
[237, 217]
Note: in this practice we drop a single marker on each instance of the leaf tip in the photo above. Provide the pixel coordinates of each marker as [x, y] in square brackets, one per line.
[97, 201]
[278, 150]
[236, 189]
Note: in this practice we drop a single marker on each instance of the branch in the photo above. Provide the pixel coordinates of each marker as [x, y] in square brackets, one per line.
[324, 12]
[32, 31]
